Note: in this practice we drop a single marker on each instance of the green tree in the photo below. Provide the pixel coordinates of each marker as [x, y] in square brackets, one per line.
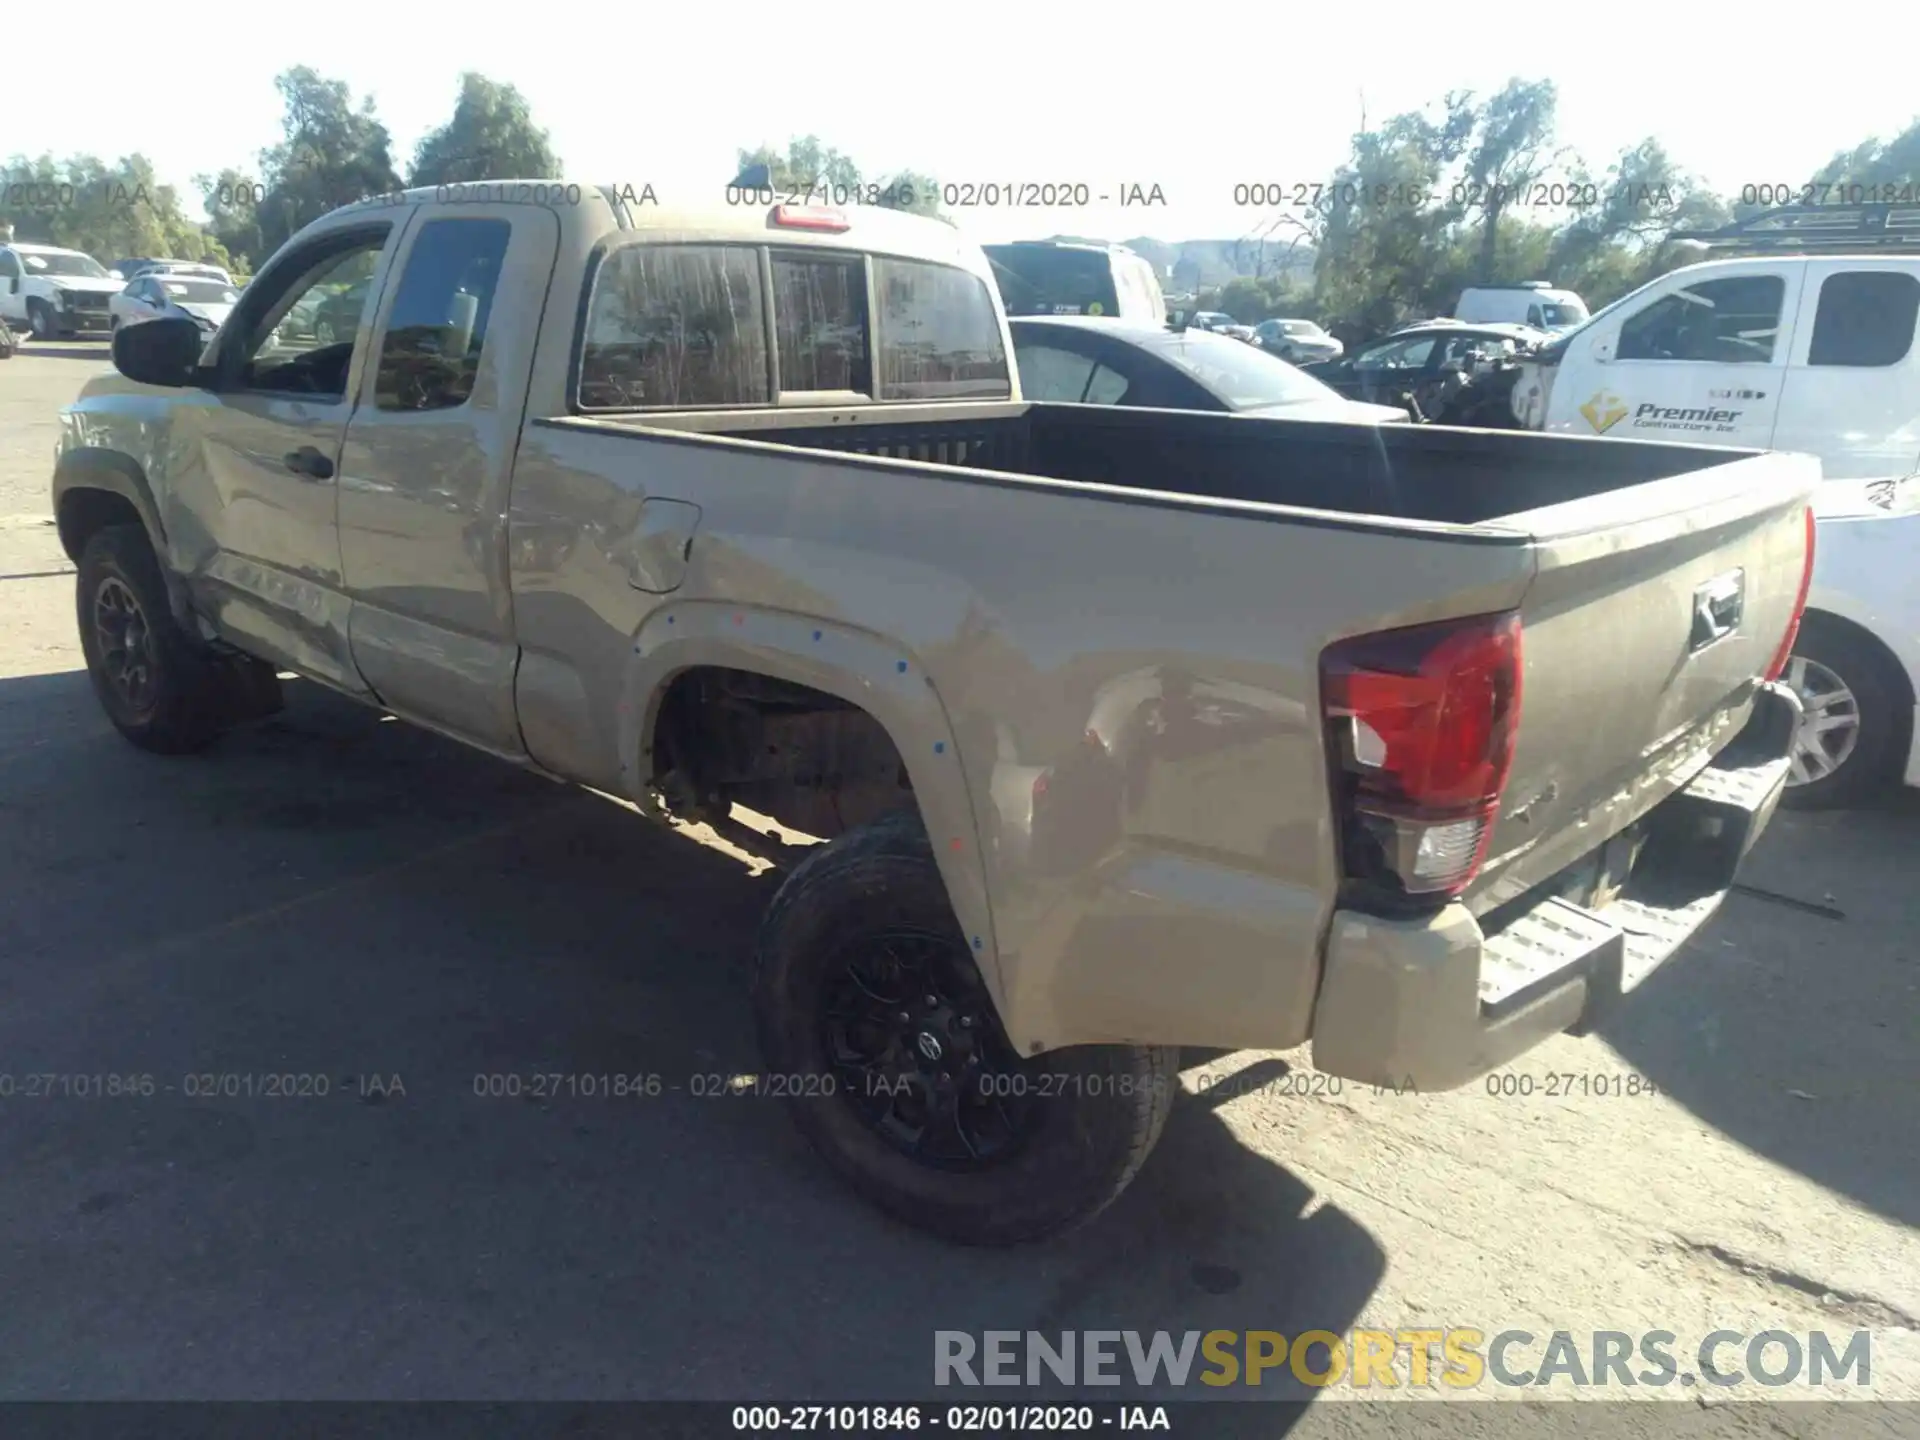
[1510, 151]
[491, 136]
[806, 162]
[1384, 236]
[1875, 164]
[232, 203]
[332, 153]
[108, 209]
[910, 190]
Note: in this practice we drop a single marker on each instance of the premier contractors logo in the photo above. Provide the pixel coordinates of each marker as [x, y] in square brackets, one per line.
[1604, 411]
[1456, 1358]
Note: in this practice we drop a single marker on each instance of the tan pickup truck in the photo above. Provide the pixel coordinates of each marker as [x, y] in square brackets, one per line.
[1125, 729]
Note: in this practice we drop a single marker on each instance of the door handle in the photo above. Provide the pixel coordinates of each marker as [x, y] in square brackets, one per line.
[309, 464]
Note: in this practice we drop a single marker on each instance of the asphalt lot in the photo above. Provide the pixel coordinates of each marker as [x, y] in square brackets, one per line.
[333, 895]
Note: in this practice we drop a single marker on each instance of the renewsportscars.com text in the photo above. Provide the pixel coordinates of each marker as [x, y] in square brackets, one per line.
[1459, 1358]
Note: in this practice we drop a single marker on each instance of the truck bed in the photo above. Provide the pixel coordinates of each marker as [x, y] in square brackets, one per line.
[1422, 473]
[1603, 546]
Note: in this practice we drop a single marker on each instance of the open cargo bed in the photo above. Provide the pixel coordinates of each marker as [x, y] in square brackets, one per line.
[1447, 476]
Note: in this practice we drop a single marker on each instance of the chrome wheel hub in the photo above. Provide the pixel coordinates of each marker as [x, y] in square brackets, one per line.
[1829, 727]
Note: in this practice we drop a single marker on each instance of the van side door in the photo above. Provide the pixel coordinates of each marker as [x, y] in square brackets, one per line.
[1852, 391]
[425, 468]
[1700, 360]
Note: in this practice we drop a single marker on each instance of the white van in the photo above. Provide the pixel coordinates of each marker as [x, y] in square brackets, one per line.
[1790, 352]
[1077, 277]
[1535, 303]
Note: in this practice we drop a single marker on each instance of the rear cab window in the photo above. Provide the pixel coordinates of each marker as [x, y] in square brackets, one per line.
[730, 325]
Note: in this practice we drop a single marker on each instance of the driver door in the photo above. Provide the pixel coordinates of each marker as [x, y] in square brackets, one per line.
[269, 453]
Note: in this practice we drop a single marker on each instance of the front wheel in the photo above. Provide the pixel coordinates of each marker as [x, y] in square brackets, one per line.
[1855, 717]
[871, 1008]
[157, 686]
[40, 320]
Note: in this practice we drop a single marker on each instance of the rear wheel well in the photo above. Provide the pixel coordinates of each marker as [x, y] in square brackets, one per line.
[813, 761]
[85, 511]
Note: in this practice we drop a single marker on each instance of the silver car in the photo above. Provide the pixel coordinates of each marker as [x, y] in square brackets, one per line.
[1300, 341]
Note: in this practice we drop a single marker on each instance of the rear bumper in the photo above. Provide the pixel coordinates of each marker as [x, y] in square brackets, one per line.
[1430, 1004]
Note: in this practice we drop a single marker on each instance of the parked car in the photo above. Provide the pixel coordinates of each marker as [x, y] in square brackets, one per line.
[1220, 324]
[1076, 277]
[326, 314]
[161, 292]
[1091, 362]
[133, 269]
[1300, 341]
[595, 526]
[1784, 352]
[1856, 663]
[53, 293]
[1535, 304]
[1449, 372]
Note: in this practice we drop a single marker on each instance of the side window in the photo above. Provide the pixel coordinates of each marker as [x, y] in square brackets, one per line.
[939, 336]
[1866, 318]
[1048, 373]
[1108, 387]
[820, 322]
[1735, 321]
[1464, 350]
[299, 334]
[676, 325]
[438, 326]
[1400, 355]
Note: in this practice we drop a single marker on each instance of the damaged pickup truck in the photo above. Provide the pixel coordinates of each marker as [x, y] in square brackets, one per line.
[1123, 729]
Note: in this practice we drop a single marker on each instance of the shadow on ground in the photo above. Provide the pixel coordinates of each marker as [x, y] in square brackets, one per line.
[368, 911]
[1741, 1028]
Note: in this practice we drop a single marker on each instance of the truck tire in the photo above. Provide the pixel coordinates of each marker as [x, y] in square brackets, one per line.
[866, 994]
[1856, 721]
[40, 320]
[160, 687]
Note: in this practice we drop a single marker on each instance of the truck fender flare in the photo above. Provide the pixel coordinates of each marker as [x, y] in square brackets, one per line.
[93, 468]
[880, 676]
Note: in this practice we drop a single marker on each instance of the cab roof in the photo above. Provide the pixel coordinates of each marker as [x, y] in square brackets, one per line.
[871, 228]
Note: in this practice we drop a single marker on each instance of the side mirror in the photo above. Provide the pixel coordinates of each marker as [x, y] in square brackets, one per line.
[13, 284]
[159, 352]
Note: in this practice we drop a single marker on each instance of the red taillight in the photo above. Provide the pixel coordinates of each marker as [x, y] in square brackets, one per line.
[801, 217]
[1785, 652]
[1421, 725]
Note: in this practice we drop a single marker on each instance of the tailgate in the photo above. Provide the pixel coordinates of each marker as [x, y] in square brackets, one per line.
[1653, 613]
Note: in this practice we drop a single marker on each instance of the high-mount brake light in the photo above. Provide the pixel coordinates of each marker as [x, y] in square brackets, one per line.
[1785, 652]
[1420, 732]
[810, 217]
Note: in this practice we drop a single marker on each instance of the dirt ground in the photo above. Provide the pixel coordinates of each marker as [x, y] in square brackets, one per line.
[338, 896]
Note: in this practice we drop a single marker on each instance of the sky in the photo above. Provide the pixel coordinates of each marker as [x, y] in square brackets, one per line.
[1192, 99]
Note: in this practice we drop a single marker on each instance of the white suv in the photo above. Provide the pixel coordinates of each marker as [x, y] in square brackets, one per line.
[54, 292]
